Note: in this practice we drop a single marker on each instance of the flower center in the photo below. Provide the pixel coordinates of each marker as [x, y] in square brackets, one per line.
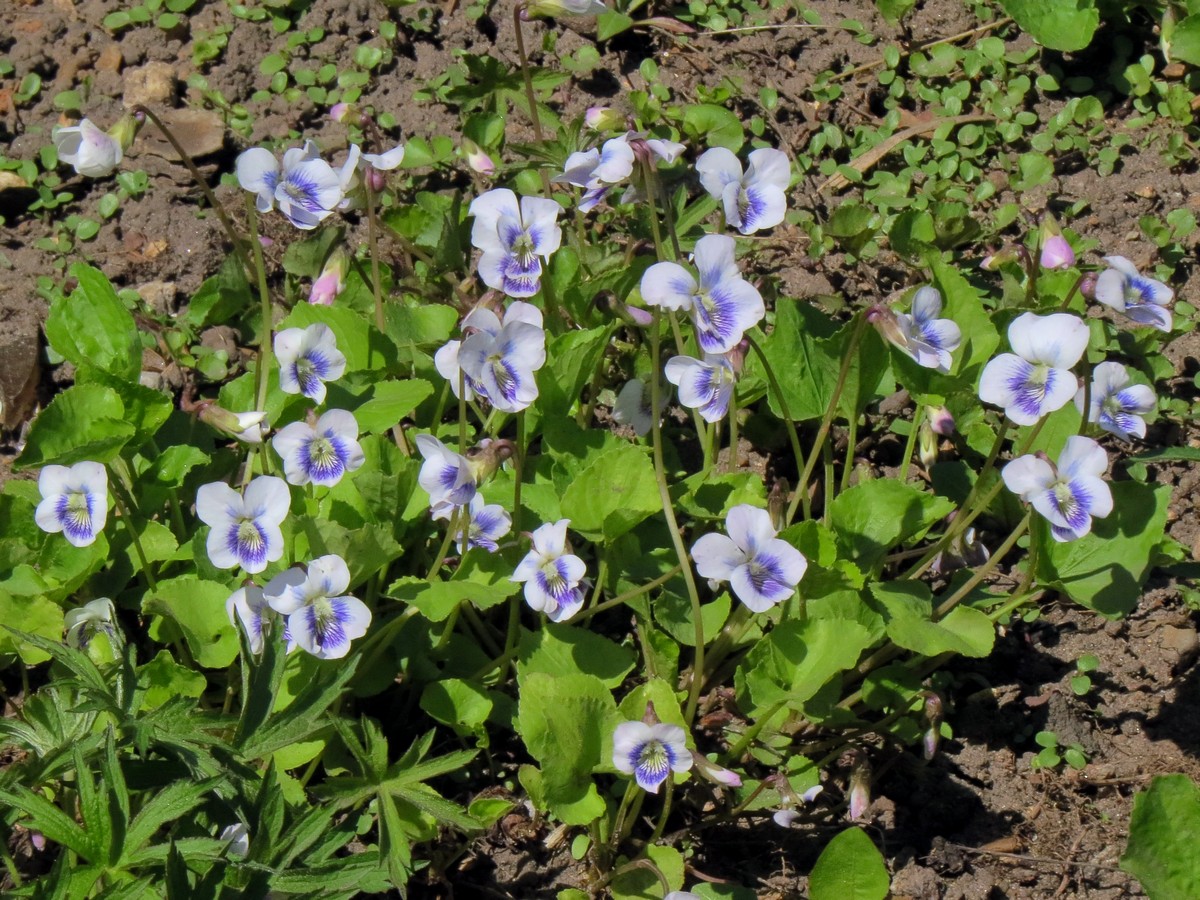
[554, 582]
[326, 625]
[654, 760]
[78, 513]
[1065, 500]
[323, 454]
[522, 249]
[249, 537]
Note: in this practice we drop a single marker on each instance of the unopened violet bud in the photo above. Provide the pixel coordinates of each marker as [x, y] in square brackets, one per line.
[265, 242]
[860, 787]
[602, 119]
[715, 773]
[38, 840]
[737, 356]
[338, 111]
[247, 427]
[994, 261]
[927, 445]
[552, 9]
[941, 420]
[329, 283]
[640, 317]
[1057, 253]
[1087, 287]
[777, 503]
[375, 179]
[477, 159]
[933, 721]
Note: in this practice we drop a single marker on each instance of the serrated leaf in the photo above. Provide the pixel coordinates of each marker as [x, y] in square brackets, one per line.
[613, 493]
[1164, 831]
[908, 608]
[84, 422]
[91, 326]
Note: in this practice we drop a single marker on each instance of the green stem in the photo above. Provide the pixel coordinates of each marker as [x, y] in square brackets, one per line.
[446, 541]
[983, 571]
[373, 248]
[733, 430]
[735, 751]
[910, 445]
[125, 505]
[633, 797]
[264, 345]
[672, 525]
[530, 96]
[793, 435]
[827, 420]
[661, 824]
[235, 238]
[518, 472]
[627, 596]
[851, 443]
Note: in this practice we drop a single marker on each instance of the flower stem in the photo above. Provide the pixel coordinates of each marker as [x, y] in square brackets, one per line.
[983, 571]
[826, 421]
[733, 430]
[672, 525]
[910, 445]
[235, 238]
[518, 472]
[530, 96]
[793, 435]
[851, 444]
[125, 504]
[752, 732]
[264, 295]
[628, 595]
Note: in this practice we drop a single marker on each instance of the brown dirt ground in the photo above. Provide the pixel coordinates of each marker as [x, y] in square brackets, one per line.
[977, 822]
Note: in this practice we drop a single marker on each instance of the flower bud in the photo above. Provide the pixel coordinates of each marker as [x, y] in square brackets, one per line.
[375, 179]
[340, 111]
[603, 118]
[933, 721]
[994, 261]
[329, 283]
[1056, 251]
[860, 786]
[714, 773]
[92, 628]
[777, 502]
[927, 444]
[941, 420]
[477, 160]
[553, 9]
[1087, 287]
[247, 426]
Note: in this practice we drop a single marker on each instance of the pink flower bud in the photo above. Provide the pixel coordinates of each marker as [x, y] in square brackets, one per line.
[329, 284]
[602, 118]
[338, 111]
[477, 160]
[994, 261]
[1057, 253]
[941, 420]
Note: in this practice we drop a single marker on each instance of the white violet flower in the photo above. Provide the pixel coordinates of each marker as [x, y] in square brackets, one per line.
[74, 501]
[1069, 494]
[244, 528]
[723, 305]
[551, 574]
[88, 149]
[514, 237]
[1036, 378]
[752, 201]
[321, 617]
[308, 357]
[305, 187]
[762, 569]
[320, 453]
[1145, 300]
[1116, 405]
[650, 752]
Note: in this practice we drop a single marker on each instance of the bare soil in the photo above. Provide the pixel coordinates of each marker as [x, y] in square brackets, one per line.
[977, 821]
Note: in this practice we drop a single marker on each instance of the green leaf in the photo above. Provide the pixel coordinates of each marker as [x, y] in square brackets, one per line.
[1164, 832]
[566, 719]
[438, 599]
[871, 518]
[849, 868]
[1066, 25]
[198, 608]
[908, 607]
[796, 659]
[462, 705]
[390, 402]
[91, 326]
[1185, 42]
[86, 421]
[220, 297]
[145, 408]
[713, 126]
[613, 493]
[363, 346]
[163, 678]
[37, 615]
[559, 648]
[1106, 569]
[611, 23]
